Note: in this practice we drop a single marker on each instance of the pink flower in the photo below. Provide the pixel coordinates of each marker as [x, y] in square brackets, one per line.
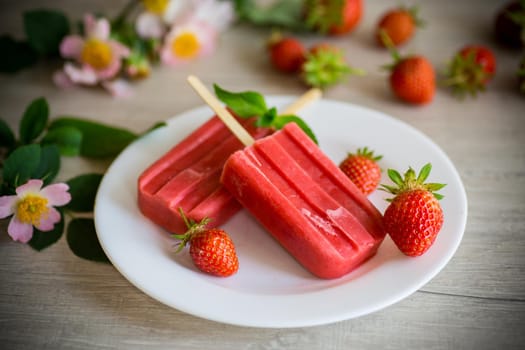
[33, 206]
[195, 34]
[96, 57]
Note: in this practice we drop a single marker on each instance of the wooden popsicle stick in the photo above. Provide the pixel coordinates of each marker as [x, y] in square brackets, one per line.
[308, 97]
[229, 120]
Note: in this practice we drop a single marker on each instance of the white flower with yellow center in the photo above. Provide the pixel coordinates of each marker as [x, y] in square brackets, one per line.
[159, 15]
[33, 206]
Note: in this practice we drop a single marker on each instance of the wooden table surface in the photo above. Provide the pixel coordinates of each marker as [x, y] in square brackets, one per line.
[55, 300]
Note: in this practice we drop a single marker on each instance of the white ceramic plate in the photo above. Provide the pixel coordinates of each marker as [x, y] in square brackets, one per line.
[270, 288]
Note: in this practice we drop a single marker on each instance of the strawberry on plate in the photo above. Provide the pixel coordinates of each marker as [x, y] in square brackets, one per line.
[414, 216]
[211, 249]
[287, 54]
[362, 169]
[470, 70]
[399, 24]
[334, 17]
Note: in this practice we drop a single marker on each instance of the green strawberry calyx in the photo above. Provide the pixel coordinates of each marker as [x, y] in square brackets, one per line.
[193, 229]
[412, 181]
[466, 76]
[365, 152]
[326, 67]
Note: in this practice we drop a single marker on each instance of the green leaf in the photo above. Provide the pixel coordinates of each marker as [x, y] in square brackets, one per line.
[7, 137]
[244, 104]
[49, 164]
[98, 140]
[21, 164]
[424, 172]
[395, 176]
[67, 138]
[20, 56]
[34, 120]
[284, 13]
[83, 190]
[267, 119]
[82, 240]
[282, 120]
[45, 29]
[42, 240]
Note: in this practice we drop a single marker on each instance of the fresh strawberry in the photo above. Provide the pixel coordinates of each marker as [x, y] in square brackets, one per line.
[335, 17]
[470, 70]
[509, 24]
[414, 216]
[399, 24]
[211, 249]
[325, 65]
[286, 54]
[362, 169]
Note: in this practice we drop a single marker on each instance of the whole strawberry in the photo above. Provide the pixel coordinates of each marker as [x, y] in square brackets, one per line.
[286, 54]
[470, 70]
[414, 216]
[334, 17]
[211, 249]
[325, 65]
[399, 24]
[362, 169]
[412, 78]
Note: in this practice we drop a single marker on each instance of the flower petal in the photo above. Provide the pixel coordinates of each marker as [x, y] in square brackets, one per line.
[71, 46]
[86, 75]
[217, 14]
[47, 222]
[149, 26]
[110, 71]
[176, 10]
[33, 185]
[19, 231]
[118, 88]
[118, 49]
[56, 194]
[7, 206]
[90, 23]
[61, 79]
[101, 30]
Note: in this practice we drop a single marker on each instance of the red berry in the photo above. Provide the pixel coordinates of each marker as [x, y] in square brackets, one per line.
[470, 70]
[362, 169]
[413, 80]
[211, 249]
[414, 217]
[399, 24]
[333, 17]
[287, 54]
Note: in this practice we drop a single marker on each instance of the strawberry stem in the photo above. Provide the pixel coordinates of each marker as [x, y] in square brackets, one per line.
[193, 228]
[410, 181]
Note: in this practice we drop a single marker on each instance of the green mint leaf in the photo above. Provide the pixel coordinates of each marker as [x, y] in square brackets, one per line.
[98, 140]
[20, 166]
[34, 120]
[42, 240]
[67, 138]
[7, 136]
[83, 242]
[83, 190]
[244, 104]
[267, 119]
[45, 29]
[49, 164]
[282, 120]
[20, 56]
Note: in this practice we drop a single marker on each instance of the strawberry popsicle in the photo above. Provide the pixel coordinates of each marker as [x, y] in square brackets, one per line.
[307, 204]
[187, 176]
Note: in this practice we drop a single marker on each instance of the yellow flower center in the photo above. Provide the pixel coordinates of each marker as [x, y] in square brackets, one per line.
[31, 209]
[96, 53]
[156, 6]
[186, 45]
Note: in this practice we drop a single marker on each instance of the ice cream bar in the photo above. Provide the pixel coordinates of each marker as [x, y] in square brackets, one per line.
[307, 204]
[188, 175]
